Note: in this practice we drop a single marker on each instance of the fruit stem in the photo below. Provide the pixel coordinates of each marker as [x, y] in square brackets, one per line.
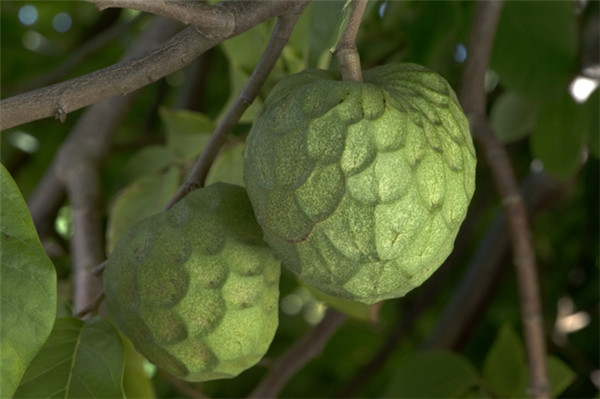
[345, 51]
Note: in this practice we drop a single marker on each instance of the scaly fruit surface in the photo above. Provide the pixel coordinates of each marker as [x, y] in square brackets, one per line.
[196, 288]
[361, 187]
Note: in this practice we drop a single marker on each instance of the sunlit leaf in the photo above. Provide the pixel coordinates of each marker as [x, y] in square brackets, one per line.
[27, 287]
[140, 199]
[79, 360]
[505, 367]
[433, 374]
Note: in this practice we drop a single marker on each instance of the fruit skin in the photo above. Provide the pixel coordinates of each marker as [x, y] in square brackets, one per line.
[361, 187]
[196, 288]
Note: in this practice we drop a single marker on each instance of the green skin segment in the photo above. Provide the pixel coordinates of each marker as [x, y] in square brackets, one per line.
[196, 289]
[361, 188]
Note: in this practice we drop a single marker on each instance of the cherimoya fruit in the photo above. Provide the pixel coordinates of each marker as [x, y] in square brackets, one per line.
[361, 187]
[196, 288]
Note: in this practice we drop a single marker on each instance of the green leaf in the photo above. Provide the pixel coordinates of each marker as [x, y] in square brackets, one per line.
[513, 117]
[187, 132]
[560, 135]
[559, 374]
[433, 374]
[505, 367]
[79, 360]
[27, 287]
[148, 160]
[142, 198]
[228, 167]
[535, 48]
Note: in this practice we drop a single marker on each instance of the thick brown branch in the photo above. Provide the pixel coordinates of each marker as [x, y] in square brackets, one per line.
[279, 38]
[473, 101]
[296, 357]
[213, 21]
[126, 76]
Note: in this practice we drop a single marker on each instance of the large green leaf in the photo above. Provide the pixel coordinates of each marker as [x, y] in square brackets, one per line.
[27, 287]
[505, 367]
[79, 360]
[433, 374]
[535, 48]
[561, 134]
[142, 198]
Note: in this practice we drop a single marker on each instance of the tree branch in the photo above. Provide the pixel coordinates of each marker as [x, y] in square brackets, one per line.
[214, 22]
[75, 168]
[126, 76]
[279, 38]
[296, 357]
[473, 100]
[346, 51]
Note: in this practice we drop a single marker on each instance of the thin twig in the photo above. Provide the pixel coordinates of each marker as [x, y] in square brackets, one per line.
[473, 100]
[346, 51]
[279, 38]
[296, 357]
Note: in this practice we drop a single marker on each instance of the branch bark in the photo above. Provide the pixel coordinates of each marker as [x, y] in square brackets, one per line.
[126, 76]
[279, 38]
[473, 100]
[213, 21]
